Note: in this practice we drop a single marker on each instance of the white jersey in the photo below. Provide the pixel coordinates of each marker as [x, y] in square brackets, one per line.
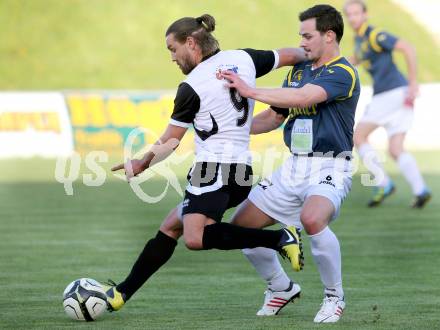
[220, 116]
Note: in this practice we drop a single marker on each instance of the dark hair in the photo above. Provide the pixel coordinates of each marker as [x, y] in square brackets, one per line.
[358, 2]
[199, 28]
[327, 18]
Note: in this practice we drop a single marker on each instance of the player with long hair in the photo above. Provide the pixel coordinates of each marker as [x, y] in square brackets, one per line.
[221, 176]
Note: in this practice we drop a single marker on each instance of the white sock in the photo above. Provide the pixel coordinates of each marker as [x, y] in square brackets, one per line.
[411, 172]
[371, 161]
[268, 266]
[327, 255]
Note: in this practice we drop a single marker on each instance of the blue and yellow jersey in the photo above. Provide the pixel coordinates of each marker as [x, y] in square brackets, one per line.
[332, 121]
[373, 49]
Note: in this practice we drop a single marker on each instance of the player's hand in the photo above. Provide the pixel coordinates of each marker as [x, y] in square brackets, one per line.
[234, 81]
[411, 94]
[132, 168]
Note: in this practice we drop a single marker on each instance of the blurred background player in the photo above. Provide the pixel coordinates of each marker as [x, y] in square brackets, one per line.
[308, 189]
[391, 106]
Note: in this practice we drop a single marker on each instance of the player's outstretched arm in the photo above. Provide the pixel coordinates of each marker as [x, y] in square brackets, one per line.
[409, 53]
[166, 144]
[290, 56]
[266, 121]
[279, 97]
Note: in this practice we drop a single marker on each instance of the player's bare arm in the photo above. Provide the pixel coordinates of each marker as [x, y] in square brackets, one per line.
[290, 56]
[280, 97]
[163, 147]
[409, 53]
[269, 120]
[266, 121]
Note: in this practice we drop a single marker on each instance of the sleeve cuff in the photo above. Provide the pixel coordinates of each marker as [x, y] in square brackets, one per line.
[281, 111]
[277, 60]
[179, 123]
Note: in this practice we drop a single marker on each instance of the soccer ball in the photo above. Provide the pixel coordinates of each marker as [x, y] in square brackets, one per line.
[84, 300]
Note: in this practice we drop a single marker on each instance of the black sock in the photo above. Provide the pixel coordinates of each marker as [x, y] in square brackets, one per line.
[156, 252]
[225, 236]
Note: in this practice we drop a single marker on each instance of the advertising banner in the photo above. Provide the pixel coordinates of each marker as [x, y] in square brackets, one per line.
[34, 124]
[53, 124]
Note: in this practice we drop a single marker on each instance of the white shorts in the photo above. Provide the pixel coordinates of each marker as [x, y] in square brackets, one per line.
[282, 195]
[387, 109]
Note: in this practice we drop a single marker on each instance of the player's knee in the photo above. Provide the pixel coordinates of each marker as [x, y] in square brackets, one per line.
[395, 151]
[171, 231]
[193, 243]
[310, 222]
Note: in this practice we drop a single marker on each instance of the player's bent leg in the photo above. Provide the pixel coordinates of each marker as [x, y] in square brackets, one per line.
[250, 216]
[155, 254]
[226, 236]
[410, 170]
[200, 234]
[264, 260]
[315, 216]
[268, 266]
[194, 225]
[172, 226]
[281, 290]
[316, 213]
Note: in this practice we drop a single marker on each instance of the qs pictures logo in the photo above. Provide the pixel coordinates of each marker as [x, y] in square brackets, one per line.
[161, 169]
[67, 170]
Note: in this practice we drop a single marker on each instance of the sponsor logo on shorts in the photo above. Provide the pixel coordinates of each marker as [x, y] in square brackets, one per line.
[328, 180]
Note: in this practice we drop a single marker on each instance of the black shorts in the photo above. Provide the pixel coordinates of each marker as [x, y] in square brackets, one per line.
[215, 187]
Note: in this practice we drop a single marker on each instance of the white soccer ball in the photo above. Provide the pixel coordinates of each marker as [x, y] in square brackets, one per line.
[84, 300]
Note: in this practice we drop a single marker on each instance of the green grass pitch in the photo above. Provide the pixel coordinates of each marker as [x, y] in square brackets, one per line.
[390, 260]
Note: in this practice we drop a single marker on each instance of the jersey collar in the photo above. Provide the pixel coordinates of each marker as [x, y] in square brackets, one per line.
[337, 58]
[210, 55]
